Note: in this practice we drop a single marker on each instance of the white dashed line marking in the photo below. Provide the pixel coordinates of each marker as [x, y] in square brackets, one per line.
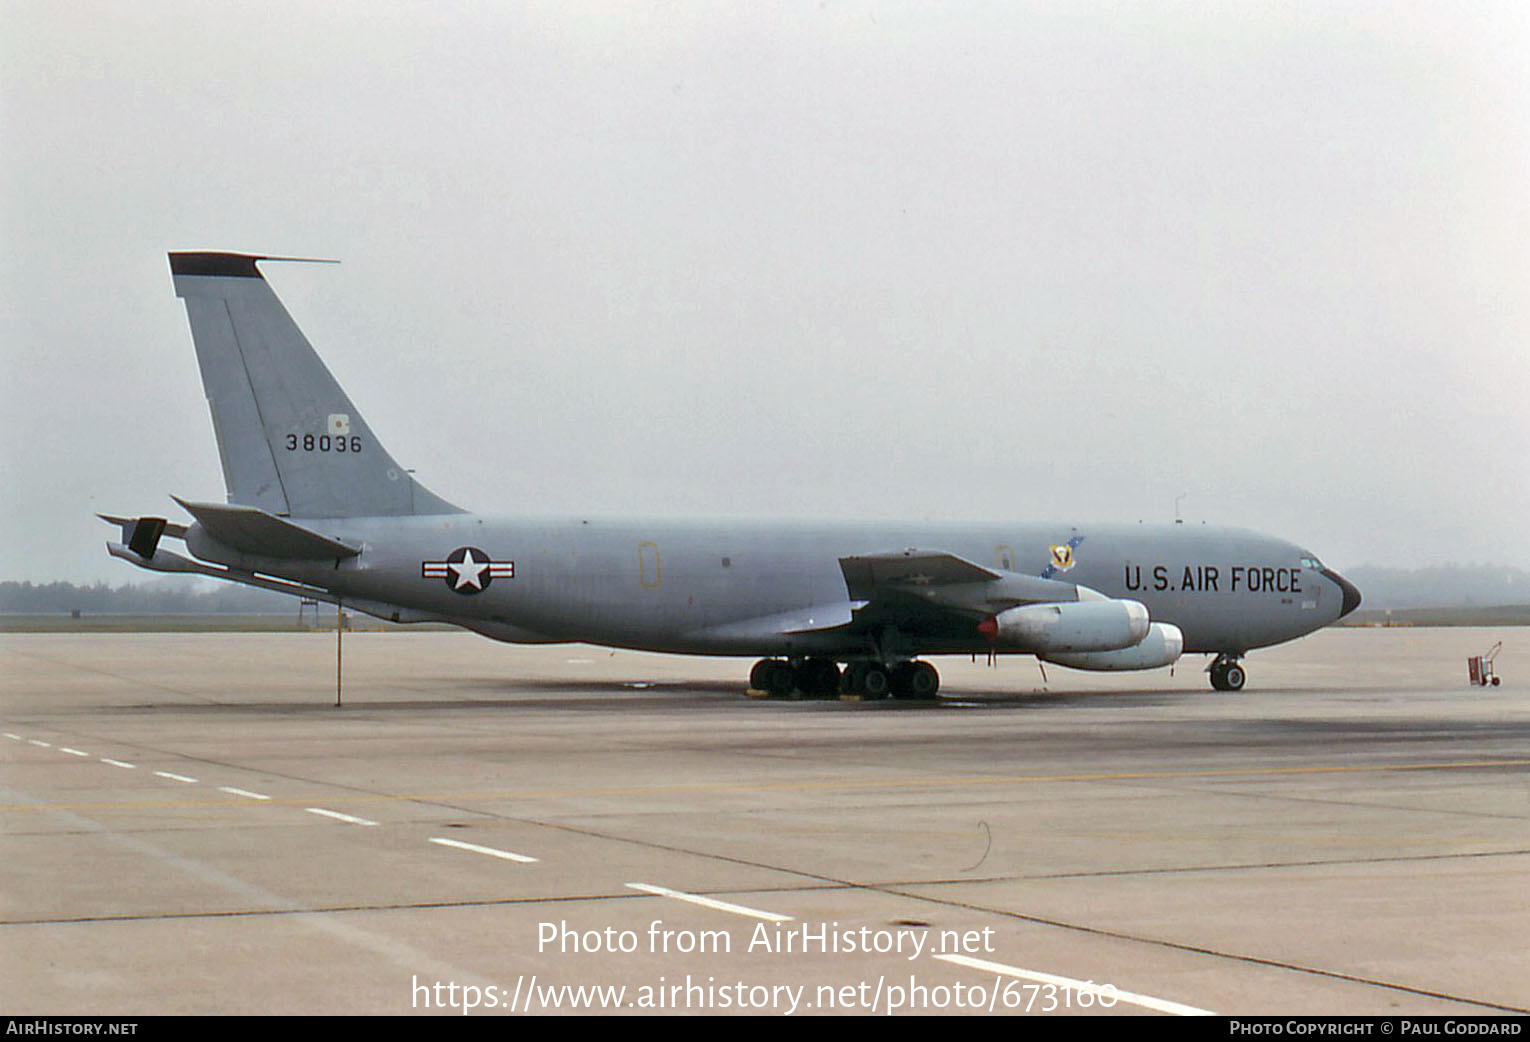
[242, 792]
[13, 737]
[492, 852]
[34, 741]
[707, 902]
[176, 777]
[1088, 987]
[338, 816]
[71, 752]
[118, 763]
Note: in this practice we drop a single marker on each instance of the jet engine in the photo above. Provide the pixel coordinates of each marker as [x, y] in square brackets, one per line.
[1068, 626]
[1161, 647]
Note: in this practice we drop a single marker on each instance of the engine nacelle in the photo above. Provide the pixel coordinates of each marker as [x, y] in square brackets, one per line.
[1093, 625]
[1161, 647]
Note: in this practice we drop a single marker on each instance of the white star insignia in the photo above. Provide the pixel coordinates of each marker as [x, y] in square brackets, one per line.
[469, 572]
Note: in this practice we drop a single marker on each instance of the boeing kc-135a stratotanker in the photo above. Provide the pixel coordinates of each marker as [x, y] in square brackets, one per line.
[319, 509]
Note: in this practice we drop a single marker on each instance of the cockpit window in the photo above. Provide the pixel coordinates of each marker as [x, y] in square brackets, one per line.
[1313, 563]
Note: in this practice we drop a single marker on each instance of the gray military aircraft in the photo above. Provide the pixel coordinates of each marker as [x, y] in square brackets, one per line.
[319, 509]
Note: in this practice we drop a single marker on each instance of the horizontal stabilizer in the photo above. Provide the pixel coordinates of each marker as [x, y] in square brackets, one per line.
[127, 524]
[254, 531]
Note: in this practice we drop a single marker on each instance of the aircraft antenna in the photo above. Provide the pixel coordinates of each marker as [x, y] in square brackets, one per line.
[301, 260]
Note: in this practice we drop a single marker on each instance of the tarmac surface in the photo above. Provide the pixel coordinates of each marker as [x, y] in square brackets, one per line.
[191, 826]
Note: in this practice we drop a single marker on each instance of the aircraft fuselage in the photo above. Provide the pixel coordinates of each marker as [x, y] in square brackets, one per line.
[739, 588]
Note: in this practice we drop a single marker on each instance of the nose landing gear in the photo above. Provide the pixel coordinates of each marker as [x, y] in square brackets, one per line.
[1226, 674]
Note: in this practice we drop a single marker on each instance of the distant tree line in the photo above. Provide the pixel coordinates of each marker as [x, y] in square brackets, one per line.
[1440, 586]
[167, 598]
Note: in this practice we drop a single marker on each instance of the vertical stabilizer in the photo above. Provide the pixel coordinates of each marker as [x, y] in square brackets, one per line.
[290, 440]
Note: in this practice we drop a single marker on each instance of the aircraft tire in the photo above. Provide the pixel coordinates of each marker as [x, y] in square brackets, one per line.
[852, 680]
[915, 680]
[876, 682]
[780, 679]
[923, 681]
[759, 675]
[819, 677]
[1227, 675]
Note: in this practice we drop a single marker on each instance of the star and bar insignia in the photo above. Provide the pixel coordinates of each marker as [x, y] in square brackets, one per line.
[467, 570]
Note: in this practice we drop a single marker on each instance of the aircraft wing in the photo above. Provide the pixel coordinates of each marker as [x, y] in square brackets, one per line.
[923, 592]
[933, 592]
[867, 574]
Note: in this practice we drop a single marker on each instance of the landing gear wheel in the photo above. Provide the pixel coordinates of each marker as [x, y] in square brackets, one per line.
[876, 682]
[916, 680]
[758, 676]
[819, 677]
[783, 680]
[1227, 675]
[867, 679]
[925, 681]
[774, 677]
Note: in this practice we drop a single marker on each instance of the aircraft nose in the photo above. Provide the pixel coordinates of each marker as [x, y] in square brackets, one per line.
[1351, 594]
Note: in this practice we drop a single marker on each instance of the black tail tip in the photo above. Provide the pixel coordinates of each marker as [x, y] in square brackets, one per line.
[221, 265]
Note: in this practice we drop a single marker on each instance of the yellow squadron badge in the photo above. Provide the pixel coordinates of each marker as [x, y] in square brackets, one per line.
[1062, 557]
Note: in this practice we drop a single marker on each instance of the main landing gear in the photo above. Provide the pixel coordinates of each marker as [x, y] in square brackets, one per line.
[822, 678]
[1226, 674]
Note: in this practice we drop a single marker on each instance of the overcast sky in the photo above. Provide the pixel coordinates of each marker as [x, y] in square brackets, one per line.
[1055, 261]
